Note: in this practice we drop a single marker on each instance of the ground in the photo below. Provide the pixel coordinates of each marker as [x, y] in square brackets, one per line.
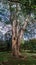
[7, 59]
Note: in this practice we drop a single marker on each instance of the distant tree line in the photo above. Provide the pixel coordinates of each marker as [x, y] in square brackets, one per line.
[29, 45]
[26, 45]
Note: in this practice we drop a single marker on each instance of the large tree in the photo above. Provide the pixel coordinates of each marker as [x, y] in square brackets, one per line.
[19, 22]
[19, 18]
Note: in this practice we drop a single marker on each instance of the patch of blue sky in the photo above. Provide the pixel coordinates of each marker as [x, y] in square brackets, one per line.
[4, 18]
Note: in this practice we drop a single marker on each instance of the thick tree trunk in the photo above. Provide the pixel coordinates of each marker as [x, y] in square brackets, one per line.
[15, 47]
[16, 39]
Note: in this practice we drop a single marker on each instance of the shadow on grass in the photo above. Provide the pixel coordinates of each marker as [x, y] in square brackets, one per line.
[7, 59]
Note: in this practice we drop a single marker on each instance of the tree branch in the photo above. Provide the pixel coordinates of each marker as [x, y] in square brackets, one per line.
[21, 32]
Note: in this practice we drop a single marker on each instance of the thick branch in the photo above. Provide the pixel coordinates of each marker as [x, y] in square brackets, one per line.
[22, 31]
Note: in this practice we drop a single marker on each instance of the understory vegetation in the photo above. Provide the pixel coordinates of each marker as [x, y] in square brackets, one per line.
[30, 45]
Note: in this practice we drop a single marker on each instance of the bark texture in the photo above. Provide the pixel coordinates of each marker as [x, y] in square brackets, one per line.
[17, 33]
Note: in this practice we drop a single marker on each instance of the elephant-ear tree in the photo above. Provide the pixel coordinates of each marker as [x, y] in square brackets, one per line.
[18, 27]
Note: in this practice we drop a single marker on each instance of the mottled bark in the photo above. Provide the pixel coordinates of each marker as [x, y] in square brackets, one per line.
[17, 34]
[16, 38]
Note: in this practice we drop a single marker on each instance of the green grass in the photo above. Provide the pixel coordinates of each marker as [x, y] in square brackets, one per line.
[7, 59]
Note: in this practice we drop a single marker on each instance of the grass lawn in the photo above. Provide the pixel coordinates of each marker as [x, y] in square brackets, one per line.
[7, 59]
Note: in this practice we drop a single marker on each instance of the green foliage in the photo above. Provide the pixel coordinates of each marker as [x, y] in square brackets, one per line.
[29, 45]
[22, 41]
[28, 6]
[3, 45]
